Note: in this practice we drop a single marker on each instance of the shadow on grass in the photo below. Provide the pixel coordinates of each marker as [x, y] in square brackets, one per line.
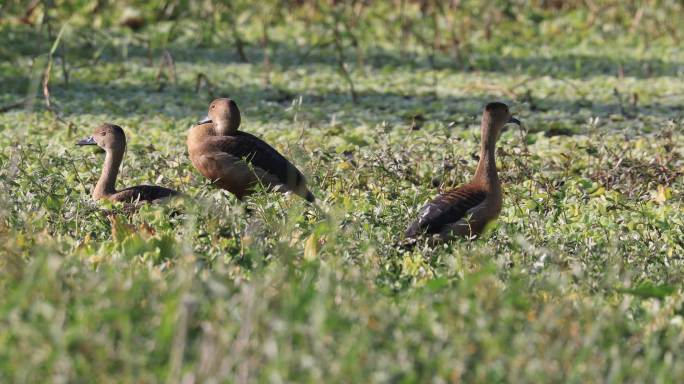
[267, 103]
[84, 43]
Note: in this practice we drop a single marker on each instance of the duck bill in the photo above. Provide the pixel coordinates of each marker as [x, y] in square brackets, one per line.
[89, 141]
[205, 120]
[513, 120]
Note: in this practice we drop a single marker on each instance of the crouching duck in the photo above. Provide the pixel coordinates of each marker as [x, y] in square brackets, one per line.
[237, 161]
[112, 139]
[465, 211]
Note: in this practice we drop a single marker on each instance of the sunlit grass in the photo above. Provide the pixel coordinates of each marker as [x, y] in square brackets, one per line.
[578, 280]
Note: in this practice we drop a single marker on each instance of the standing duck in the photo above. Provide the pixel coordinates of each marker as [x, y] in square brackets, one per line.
[465, 211]
[237, 161]
[112, 139]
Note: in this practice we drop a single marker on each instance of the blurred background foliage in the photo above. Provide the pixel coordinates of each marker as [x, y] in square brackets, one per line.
[453, 27]
[454, 35]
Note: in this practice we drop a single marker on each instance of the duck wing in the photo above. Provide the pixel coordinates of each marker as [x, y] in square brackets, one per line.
[261, 155]
[447, 208]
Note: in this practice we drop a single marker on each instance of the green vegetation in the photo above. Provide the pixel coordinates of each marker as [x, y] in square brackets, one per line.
[580, 280]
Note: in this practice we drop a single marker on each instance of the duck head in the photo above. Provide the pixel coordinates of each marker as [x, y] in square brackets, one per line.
[225, 116]
[495, 117]
[107, 136]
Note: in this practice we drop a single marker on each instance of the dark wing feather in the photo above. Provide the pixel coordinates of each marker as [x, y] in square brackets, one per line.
[143, 193]
[258, 153]
[445, 209]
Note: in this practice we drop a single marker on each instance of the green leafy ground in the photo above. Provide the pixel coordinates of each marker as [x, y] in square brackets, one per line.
[579, 280]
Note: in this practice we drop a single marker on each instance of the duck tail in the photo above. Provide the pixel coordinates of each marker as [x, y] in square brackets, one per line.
[410, 238]
[407, 243]
[310, 197]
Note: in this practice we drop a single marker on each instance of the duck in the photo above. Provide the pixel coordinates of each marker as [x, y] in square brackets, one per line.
[112, 139]
[237, 161]
[465, 211]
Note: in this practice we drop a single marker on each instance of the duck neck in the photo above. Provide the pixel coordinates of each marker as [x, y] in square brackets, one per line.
[486, 168]
[224, 128]
[106, 185]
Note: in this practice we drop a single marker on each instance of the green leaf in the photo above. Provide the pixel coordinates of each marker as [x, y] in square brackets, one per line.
[649, 290]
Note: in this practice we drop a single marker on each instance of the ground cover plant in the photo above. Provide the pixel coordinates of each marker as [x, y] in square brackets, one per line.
[378, 104]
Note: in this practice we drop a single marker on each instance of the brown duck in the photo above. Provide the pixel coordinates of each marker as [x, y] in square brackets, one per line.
[237, 161]
[112, 139]
[465, 211]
